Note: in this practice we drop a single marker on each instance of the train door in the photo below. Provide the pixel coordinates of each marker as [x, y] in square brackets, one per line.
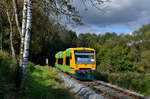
[64, 61]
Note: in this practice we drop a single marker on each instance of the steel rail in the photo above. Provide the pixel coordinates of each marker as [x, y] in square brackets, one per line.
[121, 90]
[108, 90]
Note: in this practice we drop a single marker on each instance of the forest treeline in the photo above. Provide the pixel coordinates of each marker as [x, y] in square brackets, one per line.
[120, 53]
[119, 56]
[115, 53]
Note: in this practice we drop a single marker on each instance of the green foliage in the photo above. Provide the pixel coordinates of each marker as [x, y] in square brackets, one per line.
[6, 90]
[101, 76]
[120, 53]
[30, 67]
[45, 83]
[48, 35]
[145, 61]
[49, 39]
[7, 70]
[7, 74]
[42, 82]
[132, 81]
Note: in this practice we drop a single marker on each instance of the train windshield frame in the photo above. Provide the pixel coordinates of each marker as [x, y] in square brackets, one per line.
[84, 56]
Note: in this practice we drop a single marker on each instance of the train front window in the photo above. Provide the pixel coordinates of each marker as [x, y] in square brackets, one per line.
[84, 57]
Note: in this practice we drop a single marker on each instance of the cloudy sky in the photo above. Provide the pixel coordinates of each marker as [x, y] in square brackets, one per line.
[121, 16]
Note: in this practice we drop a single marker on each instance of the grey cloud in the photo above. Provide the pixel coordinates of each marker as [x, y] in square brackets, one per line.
[119, 15]
[130, 13]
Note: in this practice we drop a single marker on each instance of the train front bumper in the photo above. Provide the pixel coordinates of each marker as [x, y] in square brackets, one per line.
[84, 74]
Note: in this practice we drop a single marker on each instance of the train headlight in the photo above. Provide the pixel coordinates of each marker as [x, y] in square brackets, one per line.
[92, 66]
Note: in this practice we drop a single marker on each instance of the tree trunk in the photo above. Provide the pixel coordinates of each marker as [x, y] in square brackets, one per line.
[10, 19]
[1, 47]
[26, 41]
[24, 22]
[15, 6]
[19, 76]
[21, 32]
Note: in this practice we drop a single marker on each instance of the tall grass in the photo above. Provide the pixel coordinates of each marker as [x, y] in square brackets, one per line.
[43, 82]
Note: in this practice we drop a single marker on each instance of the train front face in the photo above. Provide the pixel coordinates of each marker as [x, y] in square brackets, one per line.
[85, 63]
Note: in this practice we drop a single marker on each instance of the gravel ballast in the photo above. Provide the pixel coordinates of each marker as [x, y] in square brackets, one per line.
[80, 90]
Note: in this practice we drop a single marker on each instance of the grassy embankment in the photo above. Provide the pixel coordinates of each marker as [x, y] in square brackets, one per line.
[133, 81]
[42, 82]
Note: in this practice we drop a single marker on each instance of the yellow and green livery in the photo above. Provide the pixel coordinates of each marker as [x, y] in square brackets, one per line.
[78, 62]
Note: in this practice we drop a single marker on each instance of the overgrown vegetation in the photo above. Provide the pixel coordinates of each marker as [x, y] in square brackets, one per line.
[7, 69]
[7, 74]
[120, 53]
[42, 82]
[133, 81]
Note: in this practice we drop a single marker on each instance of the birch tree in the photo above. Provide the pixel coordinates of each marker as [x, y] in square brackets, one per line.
[6, 6]
[25, 33]
[1, 47]
[26, 39]
[10, 20]
[23, 30]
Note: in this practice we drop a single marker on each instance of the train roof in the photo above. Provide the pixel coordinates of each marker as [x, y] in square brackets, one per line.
[80, 48]
[60, 53]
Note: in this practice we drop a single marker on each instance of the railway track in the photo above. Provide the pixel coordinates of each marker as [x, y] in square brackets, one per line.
[112, 91]
[109, 91]
[125, 94]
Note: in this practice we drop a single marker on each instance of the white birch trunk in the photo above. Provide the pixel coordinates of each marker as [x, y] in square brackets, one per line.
[10, 20]
[24, 22]
[26, 40]
[1, 47]
[15, 6]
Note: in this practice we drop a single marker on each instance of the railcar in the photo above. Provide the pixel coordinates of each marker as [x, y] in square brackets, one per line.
[78, 62]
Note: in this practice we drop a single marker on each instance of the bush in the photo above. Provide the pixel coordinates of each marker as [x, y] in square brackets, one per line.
[133, 81]
[101, 76]
[30, 67]
[7, 72]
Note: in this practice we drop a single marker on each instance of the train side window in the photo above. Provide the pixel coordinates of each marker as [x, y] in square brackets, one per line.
[67, 60]
[60, 61]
